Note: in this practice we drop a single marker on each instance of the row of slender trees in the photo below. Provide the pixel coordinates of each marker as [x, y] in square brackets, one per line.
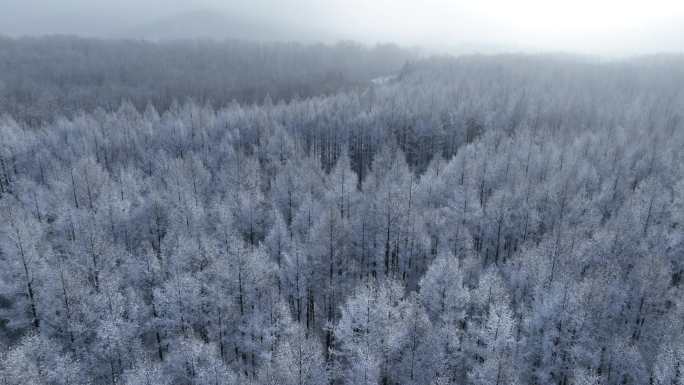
[480, 220]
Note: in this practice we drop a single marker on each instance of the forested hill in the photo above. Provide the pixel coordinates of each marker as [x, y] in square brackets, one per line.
[43, 76]
[478, 220]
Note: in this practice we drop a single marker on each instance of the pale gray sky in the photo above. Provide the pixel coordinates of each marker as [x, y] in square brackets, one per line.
[585, 26]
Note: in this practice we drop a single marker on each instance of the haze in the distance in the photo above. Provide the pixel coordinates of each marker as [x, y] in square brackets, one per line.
[605, 27]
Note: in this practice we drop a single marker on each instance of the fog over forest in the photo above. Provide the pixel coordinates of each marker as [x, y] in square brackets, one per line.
[603, 27]
[341, 193]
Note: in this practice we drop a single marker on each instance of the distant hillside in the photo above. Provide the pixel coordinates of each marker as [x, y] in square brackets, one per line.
[40, 77]
[220, 25]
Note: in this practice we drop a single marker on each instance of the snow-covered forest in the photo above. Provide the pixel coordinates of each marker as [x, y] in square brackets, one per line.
[510, 219]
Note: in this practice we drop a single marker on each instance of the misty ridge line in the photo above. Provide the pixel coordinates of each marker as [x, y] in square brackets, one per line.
[610, 27]
[69, 73]
[82, 74]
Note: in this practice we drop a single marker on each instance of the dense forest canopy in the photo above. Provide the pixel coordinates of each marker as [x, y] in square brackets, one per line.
[512, 219]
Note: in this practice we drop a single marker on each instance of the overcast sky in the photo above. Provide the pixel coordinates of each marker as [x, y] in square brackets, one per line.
[585, 26]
